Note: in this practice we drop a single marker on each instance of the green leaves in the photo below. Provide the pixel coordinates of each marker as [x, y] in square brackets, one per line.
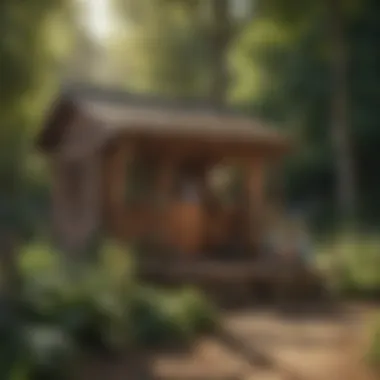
[27, 72]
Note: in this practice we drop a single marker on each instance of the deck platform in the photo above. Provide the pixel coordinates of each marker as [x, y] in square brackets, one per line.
[242, 279]
[222, 270]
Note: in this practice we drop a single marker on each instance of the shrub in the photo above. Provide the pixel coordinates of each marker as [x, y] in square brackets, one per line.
[150, 316]
[51, 353]
[353, 265]
[196, 311]
[12, 347]
[164, 317]
[90, 306]
[105, 308]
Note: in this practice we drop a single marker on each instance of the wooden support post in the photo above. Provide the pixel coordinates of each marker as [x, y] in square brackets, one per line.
[254, 192]
[58, 205]
[76, 202]
[115, 182]
[64, 212]
[91, 197]
[205, 191]
[164, 188]
[118, 174]
[207, 204]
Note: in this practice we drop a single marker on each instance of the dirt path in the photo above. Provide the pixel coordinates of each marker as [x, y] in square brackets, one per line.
[268, 345]
[307, 346]
[262, 345]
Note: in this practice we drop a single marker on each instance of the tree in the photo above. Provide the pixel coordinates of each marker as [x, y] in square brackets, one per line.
[162, 49]
[28, 66]
[339, 112]
[221, 36]
[286, 70]
[180, 47]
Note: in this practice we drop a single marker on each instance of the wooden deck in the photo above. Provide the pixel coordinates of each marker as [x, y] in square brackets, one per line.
[239, 282]
[234, 271]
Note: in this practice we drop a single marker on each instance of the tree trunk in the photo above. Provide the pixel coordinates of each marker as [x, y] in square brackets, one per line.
[10, 275]
[339, 115]
[220, 39]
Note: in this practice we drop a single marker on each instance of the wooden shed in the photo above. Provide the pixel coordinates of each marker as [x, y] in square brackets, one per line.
[138, 169]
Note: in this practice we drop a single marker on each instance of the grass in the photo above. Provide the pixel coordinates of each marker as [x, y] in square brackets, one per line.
[373, 354]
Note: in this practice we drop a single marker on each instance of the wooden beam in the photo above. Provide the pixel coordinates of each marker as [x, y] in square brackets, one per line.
[212, 149]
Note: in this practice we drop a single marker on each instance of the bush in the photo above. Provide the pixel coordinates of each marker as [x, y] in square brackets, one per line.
[12, 344]
[103, 309]
[51, 353]
[89, 307]
[150, 316]
[164, 317]
[196, 311]
[353, 265]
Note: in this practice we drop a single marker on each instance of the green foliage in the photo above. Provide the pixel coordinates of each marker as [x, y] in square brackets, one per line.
[352, 264]
[25, 54]
[51, 353]
[32, 43]
[196, 310]
[166, 50]
[373, 354]
[155, 323]
[90, 305]
[102, 310]
[170, 317]
[282, 69]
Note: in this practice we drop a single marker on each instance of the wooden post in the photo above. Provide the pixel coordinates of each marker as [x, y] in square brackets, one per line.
[63, 220]
[91, 197]
[207, 204]
[254, 192]
[205, 190]
[164, 188]
[58, 205]
[118, 178]
[76, 199]
[115, 183]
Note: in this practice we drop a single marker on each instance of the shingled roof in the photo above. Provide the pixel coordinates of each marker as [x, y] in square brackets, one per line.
[114, 111]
